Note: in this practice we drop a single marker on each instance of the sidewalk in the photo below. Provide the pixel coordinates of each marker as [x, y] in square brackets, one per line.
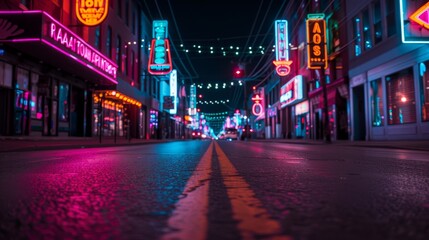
[421, 145]
[13, 144]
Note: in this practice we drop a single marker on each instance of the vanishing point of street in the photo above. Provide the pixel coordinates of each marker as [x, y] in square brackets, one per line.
[215, 190]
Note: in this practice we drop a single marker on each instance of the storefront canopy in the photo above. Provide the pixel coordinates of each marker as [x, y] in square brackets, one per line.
[39, 35]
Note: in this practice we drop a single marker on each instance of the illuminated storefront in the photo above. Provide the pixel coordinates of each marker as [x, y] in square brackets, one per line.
[50, 89]
[112, 112]
[389, 92]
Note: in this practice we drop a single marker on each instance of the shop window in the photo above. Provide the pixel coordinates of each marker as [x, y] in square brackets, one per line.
[378, 28]
[367, 37]
[5, 75]
[34, 91]
[400, 96]
[153, 123]
[109, 42]
[97, 40]
[22, 78]
[357, 35]
[424, 90]
[63, 108]
[390, 17]
[376, 95]
[119, 52]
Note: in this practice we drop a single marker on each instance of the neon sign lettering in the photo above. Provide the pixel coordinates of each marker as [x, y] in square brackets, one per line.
[316, 40]
[92, 12]
[282, 62]
[70, 41]
[292, 91]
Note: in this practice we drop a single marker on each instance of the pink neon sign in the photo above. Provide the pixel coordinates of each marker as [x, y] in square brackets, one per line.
[38, 26]
[73, 43]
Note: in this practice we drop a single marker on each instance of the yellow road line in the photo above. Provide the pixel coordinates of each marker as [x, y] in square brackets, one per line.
[190, 215]
[253, 219]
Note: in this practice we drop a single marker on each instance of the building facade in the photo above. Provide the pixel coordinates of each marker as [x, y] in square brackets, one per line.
[60, 77]
[376, 79]
[296, 104]
[388, 61]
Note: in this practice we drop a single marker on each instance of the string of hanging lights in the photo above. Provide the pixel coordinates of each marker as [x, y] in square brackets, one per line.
[213, 102]
[223, 50]
[217, 114]
[221, 85]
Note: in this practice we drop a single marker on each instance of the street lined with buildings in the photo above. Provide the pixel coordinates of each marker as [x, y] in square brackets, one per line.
[215, 190]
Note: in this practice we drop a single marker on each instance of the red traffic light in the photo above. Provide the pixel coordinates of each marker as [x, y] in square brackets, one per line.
[238, 73]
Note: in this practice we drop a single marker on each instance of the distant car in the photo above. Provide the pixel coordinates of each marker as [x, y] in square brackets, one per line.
[231, 134]
[246, 132]
[196, 134]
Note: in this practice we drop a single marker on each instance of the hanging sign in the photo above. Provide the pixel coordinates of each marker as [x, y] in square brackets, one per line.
[160, 58]
[173, 90]
[282, 62]
[316, 42]
[92, 12]
[257, 108]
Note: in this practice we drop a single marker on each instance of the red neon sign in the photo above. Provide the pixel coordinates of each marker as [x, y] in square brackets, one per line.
[282, 67]
[160, 57]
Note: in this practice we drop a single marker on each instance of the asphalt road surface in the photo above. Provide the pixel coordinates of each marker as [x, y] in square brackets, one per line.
[215, 190]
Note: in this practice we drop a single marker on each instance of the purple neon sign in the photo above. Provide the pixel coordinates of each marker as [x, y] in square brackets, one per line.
[54, 34]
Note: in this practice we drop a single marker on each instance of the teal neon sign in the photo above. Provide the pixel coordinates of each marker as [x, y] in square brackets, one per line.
[160, 57]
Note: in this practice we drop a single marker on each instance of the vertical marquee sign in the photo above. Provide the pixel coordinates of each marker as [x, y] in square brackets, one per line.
[160, 57]
[282, 62]
[316, 41]
[92, 12]
[258, 107]
[173, 90]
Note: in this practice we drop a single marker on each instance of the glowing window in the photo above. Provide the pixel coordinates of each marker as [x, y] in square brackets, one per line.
[400, 97]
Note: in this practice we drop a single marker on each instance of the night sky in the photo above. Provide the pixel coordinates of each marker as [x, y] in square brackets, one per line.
[220, 24]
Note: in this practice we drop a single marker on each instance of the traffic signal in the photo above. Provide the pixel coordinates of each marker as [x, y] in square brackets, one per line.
[238, 73]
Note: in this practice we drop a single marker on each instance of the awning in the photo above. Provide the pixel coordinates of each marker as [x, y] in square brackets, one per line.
[39, 35]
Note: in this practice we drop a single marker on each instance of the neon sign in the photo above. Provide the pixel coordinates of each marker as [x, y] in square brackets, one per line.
[160, 57]
[173, 90]
[257, 108]
[292, 91]
[39, 27]
[92, 12]
[282, 62]
[316, 42]
[414, 21]
[421, 16]
[73, 43]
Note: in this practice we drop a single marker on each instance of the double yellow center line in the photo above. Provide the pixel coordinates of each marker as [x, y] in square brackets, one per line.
[190, 221]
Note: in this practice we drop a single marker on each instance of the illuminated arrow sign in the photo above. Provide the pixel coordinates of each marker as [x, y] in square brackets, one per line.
[421, 16]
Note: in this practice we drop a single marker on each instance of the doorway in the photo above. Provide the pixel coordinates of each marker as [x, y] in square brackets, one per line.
[359, 126]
